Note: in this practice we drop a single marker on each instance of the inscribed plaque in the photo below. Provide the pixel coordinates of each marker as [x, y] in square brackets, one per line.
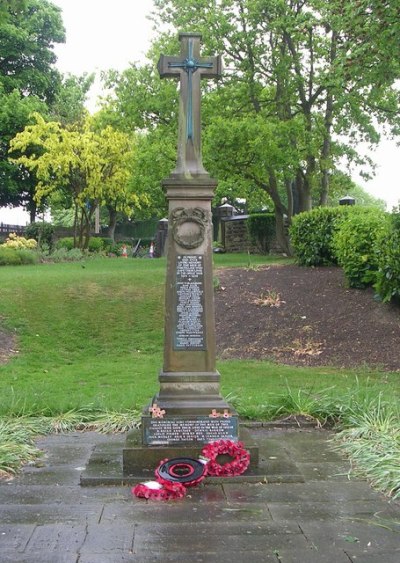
[181, 430]
[189, 330]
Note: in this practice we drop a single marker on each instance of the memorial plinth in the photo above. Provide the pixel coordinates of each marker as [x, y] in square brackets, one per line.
[188, 410]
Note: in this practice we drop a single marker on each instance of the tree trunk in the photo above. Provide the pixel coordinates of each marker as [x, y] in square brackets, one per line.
[328, 119]
[280, 210]
[112, 223]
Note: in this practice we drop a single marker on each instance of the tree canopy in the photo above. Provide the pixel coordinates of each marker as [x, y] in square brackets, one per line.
[305, 80]
[83, 166]
[29, 82]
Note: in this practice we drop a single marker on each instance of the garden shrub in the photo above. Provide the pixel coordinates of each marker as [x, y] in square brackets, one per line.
[96, 244]
[355, 245]
[19, 243]
[311, 235]
[65, 255]
[262, 230]
[15, 257]
[65, 242]
[41, 232]
[108, 243]
[388, 254]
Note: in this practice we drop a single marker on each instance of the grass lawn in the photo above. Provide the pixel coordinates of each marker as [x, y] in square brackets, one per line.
[90, 341]
[92, 334]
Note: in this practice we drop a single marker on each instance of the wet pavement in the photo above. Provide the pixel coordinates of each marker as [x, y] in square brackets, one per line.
[320, 516]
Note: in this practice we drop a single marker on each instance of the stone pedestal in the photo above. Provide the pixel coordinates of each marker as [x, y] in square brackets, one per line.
[188, 410]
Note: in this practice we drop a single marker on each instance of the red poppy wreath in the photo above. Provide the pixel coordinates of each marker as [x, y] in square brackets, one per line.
[240, 458]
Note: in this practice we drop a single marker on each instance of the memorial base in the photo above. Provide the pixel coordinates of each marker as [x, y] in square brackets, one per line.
[139, 459]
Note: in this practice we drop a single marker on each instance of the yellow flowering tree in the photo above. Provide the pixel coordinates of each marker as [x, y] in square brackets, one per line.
[84, 165]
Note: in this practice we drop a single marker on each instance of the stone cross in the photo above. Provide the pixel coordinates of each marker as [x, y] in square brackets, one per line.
[189, 67]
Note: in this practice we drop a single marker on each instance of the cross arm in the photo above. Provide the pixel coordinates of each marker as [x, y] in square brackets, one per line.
[165, 70]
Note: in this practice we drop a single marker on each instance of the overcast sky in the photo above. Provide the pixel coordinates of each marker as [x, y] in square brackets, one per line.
[103, 34]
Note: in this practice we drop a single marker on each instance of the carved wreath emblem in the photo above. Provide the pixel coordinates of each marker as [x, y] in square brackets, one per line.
[189, 226]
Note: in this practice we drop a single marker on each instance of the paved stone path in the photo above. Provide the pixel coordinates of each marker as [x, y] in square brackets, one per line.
[47, 517]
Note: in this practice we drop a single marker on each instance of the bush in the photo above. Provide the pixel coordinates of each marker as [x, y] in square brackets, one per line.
[66, 242]
[108, 243]
[20, 243]
[261, 228]
[356, 245]
[65, 255]
[388, 254]
[311, 235]
[96, 244]
[15, 257]
[41, 232]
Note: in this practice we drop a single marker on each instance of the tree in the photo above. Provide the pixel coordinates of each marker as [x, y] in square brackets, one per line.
[309, 71]
[68, 106]
[86, 167]
[28, 82]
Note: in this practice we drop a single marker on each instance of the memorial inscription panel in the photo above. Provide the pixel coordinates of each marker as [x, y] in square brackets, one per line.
[189, 330]
[180, 430]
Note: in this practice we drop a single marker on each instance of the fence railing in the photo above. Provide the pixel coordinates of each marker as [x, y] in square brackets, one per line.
[7, 229]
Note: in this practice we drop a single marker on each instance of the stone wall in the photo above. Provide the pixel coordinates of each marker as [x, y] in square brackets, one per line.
[235, 237]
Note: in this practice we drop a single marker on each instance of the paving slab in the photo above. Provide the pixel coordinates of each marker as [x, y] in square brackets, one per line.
[325, 516]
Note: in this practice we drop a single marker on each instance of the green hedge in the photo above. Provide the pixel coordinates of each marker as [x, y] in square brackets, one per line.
[355, 245]
[262, 230]
[96, 244]
[311, 235]
[388, 256]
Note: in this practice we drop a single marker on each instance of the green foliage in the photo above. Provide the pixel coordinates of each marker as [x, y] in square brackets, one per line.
[107, 244]
[261, 228]
[311, 235]
[66, 255]
[41, 232]
[29, 82]
[95, 244]
[388, 253]
[18, 433]
[69, 104]
[20, 243]
[355, 245]
[86, 166]
[16, 257]
[288, 111]
[370, 439]
[65, 242]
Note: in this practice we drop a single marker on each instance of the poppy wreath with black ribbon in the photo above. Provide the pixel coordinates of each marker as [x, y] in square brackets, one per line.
[236, 450]
[187, 471]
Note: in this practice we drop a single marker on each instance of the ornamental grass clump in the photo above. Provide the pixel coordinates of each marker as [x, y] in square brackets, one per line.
[17, 434]
[372, 443]
[16, 447]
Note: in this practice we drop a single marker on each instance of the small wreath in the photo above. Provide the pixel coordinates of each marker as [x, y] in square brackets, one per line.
[236, 450]
[159, 491]
[187, 471]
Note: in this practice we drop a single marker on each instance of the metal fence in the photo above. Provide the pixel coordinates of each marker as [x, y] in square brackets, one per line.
[7, 229]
